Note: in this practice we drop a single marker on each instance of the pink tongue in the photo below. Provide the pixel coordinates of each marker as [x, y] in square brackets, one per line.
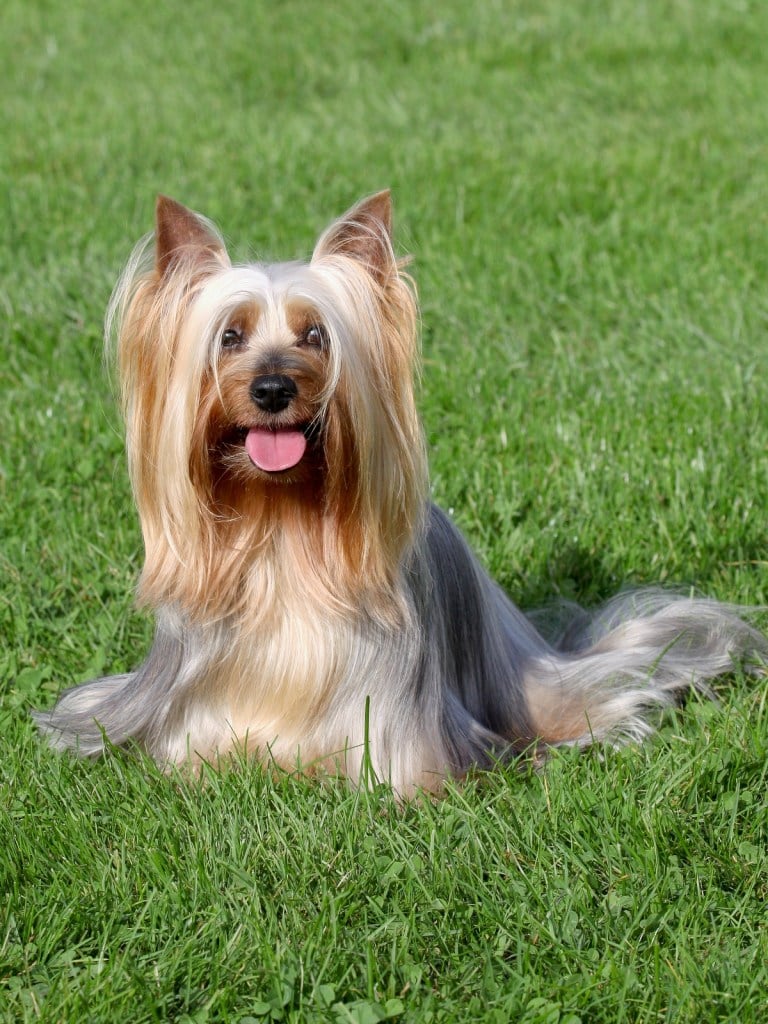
[275, 450]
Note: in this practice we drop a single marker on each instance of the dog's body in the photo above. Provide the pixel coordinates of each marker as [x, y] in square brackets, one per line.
[311, 605]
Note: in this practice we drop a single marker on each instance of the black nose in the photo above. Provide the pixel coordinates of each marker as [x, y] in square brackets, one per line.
[273, 392]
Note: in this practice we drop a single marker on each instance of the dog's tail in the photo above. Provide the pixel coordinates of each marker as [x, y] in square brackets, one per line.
[640, 652]
[85, 715]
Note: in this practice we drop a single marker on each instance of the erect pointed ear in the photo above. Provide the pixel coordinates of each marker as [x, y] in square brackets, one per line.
[365, 234]
[181, 233]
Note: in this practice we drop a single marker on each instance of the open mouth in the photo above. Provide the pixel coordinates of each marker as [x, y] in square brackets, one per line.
[271, 449]
[274, 451]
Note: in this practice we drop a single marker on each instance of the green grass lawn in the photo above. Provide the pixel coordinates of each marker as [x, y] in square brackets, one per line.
[583, 187]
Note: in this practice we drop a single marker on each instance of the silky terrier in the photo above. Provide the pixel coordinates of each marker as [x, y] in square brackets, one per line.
[312, 607]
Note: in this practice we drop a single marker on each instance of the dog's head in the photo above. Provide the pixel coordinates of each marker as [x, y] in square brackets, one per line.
[267, 398]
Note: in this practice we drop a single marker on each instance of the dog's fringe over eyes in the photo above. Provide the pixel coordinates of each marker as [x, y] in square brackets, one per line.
[312, 607]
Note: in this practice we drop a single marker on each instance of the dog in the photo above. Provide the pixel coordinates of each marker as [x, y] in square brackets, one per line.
[312, 607]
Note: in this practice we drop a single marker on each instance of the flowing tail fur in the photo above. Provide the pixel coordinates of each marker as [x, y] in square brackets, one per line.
[603, 674]
[642, 651]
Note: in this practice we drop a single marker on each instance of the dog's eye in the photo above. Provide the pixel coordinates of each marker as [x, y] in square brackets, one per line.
[232, 337]
[316, 336]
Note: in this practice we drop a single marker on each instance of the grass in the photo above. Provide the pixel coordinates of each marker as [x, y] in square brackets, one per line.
[583, 187]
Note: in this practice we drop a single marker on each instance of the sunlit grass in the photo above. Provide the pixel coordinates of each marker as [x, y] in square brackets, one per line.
[583, 189]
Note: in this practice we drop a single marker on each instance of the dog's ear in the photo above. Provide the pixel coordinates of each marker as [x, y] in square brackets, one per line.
[182, 234]
[365, 234]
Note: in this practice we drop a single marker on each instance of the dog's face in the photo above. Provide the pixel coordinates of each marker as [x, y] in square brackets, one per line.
[288, 361]
[264, 398]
